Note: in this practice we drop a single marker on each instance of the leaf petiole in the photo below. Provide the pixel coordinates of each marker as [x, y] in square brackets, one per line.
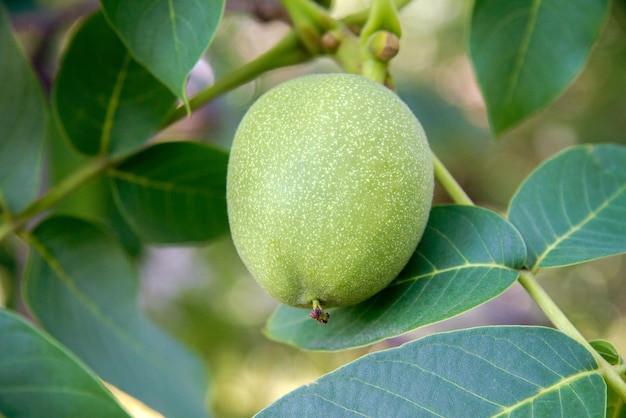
[310, 21]
[558, 318]
[54, 195]
[454, 190]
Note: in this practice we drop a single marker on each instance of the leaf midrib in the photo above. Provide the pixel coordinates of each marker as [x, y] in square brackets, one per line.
[522, 52]
[114, 100]
[575, 228]
[556, 386]
[162, 185]
[452, 269]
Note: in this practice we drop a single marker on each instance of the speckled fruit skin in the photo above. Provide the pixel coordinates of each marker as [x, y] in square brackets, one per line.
[330, 183]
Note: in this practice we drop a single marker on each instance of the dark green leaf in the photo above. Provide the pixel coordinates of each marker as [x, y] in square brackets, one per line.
[572, 208]
[40, 378]
[526, 52]
[174, 192]
[83, 290]
[167, 37]
[93, 200]
[105, 100]
[467, 256]
[22, 123]
[607, 351]
[481, 372]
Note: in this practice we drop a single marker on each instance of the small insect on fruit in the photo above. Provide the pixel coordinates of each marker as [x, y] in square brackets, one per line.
[330, 183]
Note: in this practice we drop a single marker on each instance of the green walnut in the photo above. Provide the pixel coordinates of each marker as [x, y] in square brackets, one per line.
[330, 183]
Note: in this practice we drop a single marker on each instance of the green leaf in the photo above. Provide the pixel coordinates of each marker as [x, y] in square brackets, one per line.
[105, 100]
[526, 52]
[40, 378]
[481, 372]
[572, 208]
[615, 405]
[92, 200]
[167, 37]
[607, 350]
[467, 256]
[174, 192]
[22, 123]
[83, 289]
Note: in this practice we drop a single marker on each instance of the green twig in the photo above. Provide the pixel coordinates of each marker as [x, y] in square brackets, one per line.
[287, 52]
[382, 16]
[54, 195]
[527, 279]
[358, 19]
[310, 21]
[448, 182]
[558, 318]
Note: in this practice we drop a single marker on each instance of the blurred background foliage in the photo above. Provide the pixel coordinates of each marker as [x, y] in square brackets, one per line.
[204, 295]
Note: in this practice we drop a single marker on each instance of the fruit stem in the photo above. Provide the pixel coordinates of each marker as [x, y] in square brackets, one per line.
[318, 313]
[448, 182]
